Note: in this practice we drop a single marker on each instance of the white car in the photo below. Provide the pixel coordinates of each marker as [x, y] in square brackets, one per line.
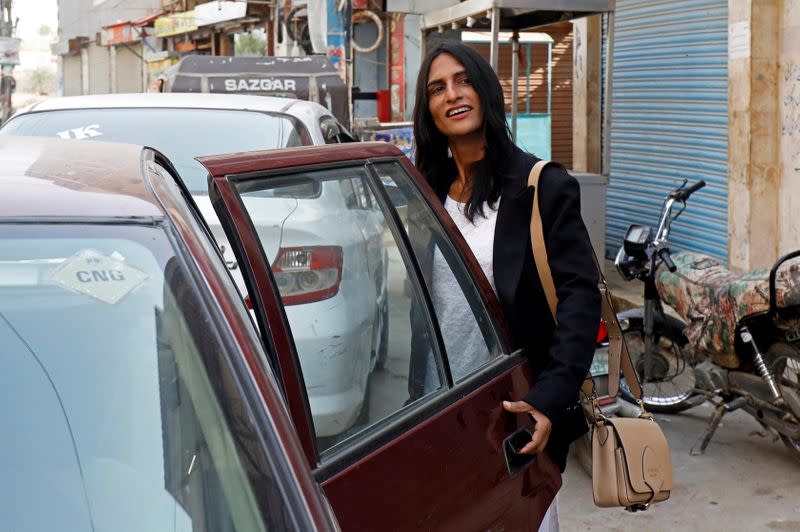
[323, 237]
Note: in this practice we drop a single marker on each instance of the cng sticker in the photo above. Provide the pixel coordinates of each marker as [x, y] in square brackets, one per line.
[102, 277]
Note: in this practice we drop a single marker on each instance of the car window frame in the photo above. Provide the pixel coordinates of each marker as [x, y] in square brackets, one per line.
[292, 355]
[257, 386]
[403, 421]
[488, 300]
[483, 286]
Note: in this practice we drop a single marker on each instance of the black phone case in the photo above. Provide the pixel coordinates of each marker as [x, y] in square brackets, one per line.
[512, 445]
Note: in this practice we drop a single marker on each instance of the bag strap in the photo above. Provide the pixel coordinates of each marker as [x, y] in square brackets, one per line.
[618, 355]
[537, 241]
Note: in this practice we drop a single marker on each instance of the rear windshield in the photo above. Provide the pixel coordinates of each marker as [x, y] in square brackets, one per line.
[181, 134]
[118, 411]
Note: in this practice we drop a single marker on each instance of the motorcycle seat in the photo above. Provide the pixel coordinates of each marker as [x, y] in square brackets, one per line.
[712, 300]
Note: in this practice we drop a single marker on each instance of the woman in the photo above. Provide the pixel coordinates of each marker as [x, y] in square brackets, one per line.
[465, 151]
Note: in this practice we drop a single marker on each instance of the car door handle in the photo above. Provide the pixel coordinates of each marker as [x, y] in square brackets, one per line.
[518, 439]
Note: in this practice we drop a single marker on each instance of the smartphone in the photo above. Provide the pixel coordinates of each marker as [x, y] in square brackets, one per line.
[519, 439]
[512, 445]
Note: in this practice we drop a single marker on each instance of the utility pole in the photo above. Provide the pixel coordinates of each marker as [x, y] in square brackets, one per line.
[7, 81]
[5, 18]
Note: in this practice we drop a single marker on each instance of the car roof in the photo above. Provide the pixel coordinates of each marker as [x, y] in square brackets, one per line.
[176, 100]
[54, 178]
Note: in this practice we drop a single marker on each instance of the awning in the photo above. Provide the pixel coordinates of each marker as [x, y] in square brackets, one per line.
[514, 14]
[148, 20]
[129, 30]
[216, 12]
[119, 33]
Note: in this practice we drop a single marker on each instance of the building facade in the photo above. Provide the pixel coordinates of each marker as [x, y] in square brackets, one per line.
[95, 55]
[701, 89]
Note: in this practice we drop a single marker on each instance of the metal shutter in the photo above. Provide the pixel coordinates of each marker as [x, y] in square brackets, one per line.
[99, 70]
[71, 70]
[669, 119]
[129, 68]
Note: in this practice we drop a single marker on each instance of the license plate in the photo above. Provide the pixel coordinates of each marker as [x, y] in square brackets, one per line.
[599, 362]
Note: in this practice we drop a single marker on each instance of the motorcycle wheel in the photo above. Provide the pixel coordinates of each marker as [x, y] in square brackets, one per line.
[672, 390]
[785, 362]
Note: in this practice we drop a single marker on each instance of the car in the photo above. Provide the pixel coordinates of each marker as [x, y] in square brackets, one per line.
[184, 126]
[439, 459]
[135, 392]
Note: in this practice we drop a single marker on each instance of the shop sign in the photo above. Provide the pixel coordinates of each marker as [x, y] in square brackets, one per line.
[257, 85]
[214, 12]
[9, 51]
[176, 24]
[397, 66]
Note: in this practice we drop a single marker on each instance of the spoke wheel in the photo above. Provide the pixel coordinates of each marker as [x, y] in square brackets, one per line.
[671, 386]
[785, 362]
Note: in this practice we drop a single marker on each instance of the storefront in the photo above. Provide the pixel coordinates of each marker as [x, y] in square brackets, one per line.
[669, 119]
[209, 28]
[127, 44]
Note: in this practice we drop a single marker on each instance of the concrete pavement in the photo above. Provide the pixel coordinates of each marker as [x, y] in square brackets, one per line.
[743, 482]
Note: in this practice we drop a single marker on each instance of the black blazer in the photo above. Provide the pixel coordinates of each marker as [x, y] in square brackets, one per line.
[561, 355]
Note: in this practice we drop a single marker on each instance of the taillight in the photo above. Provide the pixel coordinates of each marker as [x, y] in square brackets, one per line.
[602, 333]
[307, 274]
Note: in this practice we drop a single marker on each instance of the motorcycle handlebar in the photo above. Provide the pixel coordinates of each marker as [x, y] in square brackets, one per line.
[694, 188]
[664, 254]
[683, 194]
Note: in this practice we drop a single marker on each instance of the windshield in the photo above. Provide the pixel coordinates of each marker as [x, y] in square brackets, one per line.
[118, 410]
[181, 134]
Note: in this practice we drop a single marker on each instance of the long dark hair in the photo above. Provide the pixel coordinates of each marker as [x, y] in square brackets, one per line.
[431, 145]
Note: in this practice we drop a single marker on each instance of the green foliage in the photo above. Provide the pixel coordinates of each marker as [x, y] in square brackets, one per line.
[45, 30]
[42, 81]
[250, 44]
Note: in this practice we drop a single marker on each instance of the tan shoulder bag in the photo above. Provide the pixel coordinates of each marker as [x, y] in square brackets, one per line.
[631, 465]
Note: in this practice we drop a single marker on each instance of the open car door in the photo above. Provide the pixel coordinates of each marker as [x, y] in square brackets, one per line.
[398, 409]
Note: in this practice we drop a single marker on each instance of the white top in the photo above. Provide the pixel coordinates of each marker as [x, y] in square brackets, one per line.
[466, 348]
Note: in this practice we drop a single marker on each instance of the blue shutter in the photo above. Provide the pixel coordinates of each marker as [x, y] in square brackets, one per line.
[669, 119]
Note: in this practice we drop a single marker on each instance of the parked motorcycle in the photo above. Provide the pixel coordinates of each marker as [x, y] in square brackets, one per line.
[737, 344]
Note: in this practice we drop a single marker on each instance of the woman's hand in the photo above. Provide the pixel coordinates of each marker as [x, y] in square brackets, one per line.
[541, 431]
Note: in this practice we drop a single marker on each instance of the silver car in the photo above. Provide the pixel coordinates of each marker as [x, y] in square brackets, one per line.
[324, 239]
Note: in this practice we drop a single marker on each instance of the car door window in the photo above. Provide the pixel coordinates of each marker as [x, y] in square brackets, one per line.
[470, 338]
[351, 297]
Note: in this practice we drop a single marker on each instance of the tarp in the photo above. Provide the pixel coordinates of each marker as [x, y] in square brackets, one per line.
[311, 78]
[712, 299]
